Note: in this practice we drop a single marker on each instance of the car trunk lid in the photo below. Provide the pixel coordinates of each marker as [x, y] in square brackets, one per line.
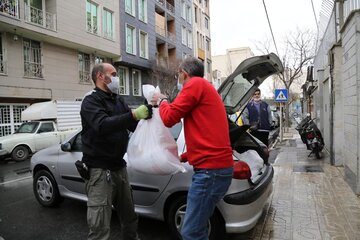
[238, 88]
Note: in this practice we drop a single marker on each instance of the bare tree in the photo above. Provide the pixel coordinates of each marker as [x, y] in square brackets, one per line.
[298, 52]
[164, 77]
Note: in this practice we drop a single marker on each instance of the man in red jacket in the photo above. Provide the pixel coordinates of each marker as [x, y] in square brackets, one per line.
[207, 141]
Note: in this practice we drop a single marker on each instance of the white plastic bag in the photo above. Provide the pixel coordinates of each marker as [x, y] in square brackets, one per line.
[152, 149]
[252, 158]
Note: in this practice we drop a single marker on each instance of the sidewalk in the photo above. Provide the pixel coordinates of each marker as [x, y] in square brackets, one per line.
[310, 199]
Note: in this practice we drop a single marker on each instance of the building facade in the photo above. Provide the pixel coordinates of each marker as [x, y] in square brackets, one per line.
[201, 35]
[336, 96]
[48, 48]
[224, 65]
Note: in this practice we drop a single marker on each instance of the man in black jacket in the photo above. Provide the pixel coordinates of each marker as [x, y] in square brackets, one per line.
[257, 114]
[105, 120]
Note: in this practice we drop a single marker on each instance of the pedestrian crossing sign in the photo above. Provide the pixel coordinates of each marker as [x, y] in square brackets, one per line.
[281, 95]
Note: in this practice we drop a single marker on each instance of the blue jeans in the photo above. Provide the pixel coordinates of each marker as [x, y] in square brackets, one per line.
[208, 187]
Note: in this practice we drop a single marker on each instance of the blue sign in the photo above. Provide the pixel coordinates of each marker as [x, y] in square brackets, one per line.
[281, 95]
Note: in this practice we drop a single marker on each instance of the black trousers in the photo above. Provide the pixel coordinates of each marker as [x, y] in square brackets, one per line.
[263, 136]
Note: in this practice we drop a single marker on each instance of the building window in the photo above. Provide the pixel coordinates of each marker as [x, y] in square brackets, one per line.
[130, 7]
[208, 45]
[136, 82]
[130, 39]
[84, 67]
[108, 24]
[143, 41]
[143, 10]
[188, 14]
[189, 39]
[2, 56]
[183, 35]
[91, 17]
[10, 118]
[195, 14]
[208, 66]
[124, 81]
[99, 60]
[32, 59]
[206, 23]
[183, 10]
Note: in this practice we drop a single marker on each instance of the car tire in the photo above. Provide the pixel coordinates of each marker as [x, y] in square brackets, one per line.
[45, 189]
[176, 215]
[20, 153]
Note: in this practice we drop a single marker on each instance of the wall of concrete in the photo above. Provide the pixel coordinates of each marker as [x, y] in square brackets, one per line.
[351, 88]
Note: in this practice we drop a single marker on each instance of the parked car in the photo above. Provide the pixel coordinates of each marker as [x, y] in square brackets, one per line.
[164, 197]
[49, 123]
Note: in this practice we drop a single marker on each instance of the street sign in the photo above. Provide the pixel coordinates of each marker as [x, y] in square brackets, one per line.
[281, 95]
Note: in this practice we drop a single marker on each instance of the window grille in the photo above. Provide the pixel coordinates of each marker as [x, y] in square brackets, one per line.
[32, 59]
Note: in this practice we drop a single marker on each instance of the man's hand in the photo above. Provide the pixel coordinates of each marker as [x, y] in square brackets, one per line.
[183, 157]
[156, 98]
[143, 112]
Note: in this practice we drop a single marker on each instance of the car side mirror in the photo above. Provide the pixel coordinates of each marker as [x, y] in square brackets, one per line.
[66, 147]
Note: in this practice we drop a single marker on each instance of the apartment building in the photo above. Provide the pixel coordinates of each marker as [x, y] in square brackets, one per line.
[47, 50]
[154, 33]
[225, 64]
[202, 39]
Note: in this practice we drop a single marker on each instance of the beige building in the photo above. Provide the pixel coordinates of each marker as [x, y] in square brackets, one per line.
[224, 65]
[202, 40]
[47, 49]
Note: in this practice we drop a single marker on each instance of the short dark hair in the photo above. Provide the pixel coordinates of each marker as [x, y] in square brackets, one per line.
[193, 66]
[97, 68]
[257, 90]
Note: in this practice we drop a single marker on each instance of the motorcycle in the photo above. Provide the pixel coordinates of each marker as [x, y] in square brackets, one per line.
[311, 136]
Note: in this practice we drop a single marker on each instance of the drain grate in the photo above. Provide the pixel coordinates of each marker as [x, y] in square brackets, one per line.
[304, 169]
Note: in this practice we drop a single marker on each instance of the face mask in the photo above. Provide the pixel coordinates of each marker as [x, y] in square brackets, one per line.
[114, 85]
[179, 85]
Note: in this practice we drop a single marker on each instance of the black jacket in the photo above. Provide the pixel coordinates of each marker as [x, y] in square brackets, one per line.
[105, 120]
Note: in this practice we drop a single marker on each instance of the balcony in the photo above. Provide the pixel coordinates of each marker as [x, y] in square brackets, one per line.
[10, 8]
[171, 36]
[161, 31]
[170, 7]
[201, 54]
[40, 17]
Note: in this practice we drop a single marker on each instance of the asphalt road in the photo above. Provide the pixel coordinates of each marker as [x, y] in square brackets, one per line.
[22, 217]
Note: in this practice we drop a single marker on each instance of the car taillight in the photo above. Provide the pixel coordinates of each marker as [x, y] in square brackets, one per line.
[310, 135]
[241, 170]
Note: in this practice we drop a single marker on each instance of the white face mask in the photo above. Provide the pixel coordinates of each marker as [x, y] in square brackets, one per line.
[114, 85]
[179, 85]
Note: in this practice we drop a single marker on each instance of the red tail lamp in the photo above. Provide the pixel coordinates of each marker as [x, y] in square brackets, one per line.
[241, 170]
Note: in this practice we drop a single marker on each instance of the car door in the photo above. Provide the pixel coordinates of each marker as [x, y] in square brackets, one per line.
[46, 136]
[69, 175]
[146, 187]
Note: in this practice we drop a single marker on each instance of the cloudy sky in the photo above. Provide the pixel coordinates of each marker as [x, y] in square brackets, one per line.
[238, 23]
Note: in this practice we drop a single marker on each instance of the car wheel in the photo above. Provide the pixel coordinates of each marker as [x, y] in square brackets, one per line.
[45, 189]
[20, 153]
[176, 216]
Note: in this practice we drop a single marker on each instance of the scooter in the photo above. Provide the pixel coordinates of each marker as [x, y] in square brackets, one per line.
[311, 136]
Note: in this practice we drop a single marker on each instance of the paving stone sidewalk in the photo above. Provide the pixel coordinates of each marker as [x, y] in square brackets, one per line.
[310, 199]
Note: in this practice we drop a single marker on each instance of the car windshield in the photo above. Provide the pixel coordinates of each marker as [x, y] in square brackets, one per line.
[28, 127]
[239, 87]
